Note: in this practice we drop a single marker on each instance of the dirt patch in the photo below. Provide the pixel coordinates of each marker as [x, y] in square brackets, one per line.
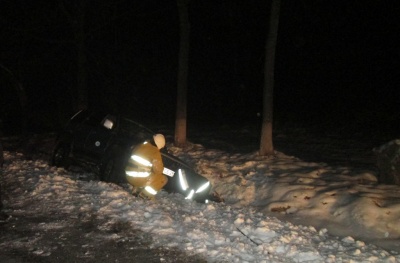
[54, 239]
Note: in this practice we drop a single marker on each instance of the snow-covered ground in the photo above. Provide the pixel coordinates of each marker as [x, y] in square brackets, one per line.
[276, 209]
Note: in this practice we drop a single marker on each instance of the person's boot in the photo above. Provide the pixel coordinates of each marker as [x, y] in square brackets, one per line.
[136, 191]
[146, 197]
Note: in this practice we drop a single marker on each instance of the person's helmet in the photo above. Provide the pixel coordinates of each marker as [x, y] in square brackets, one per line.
[159, 140]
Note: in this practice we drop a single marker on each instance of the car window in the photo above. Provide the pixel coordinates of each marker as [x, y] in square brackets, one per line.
[96, 119]
[79, 116]
[135, 129]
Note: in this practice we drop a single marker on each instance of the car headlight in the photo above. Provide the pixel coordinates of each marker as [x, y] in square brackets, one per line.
[199, 190]
[190, 195]
[203, 187]
[183, 180]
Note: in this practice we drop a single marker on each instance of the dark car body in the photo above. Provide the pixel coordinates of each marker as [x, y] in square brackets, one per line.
[103, 143]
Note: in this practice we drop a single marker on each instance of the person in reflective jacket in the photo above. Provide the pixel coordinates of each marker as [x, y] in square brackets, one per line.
[144, 170]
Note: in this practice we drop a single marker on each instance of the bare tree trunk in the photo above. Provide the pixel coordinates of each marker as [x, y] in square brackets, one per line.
[266, 143]
[1, 154]
[183, 68]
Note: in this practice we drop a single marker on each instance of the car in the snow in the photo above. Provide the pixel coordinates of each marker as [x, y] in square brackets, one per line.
[103, 143]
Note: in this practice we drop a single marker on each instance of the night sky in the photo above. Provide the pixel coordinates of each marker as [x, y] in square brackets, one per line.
[337, 62]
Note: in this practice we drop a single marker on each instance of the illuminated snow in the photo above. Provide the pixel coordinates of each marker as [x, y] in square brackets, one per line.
[260, 194]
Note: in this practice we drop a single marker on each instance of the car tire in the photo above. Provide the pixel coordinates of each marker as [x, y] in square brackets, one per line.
[60, 156]
[111, 171]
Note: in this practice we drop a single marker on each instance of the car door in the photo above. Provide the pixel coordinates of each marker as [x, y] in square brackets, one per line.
[81, 129]
[100, 136]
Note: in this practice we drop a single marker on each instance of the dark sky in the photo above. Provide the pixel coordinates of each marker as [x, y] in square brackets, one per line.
[336, 60]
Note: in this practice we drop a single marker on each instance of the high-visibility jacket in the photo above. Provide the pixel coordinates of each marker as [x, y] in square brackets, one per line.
[145, 169]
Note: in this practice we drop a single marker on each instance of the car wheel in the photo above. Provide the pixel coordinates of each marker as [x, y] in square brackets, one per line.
[60, 156]
[112, 171]
[107, 170]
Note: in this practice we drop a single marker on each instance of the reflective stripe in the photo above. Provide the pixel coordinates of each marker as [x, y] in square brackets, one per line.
[190, 195]
[137, 174]
[203, 187]
[141, 160]
[150, 190]
[168, 172]
[182, 180]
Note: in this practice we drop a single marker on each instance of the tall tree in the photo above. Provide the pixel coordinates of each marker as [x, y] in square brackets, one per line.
[183, 68]
[266, 143]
